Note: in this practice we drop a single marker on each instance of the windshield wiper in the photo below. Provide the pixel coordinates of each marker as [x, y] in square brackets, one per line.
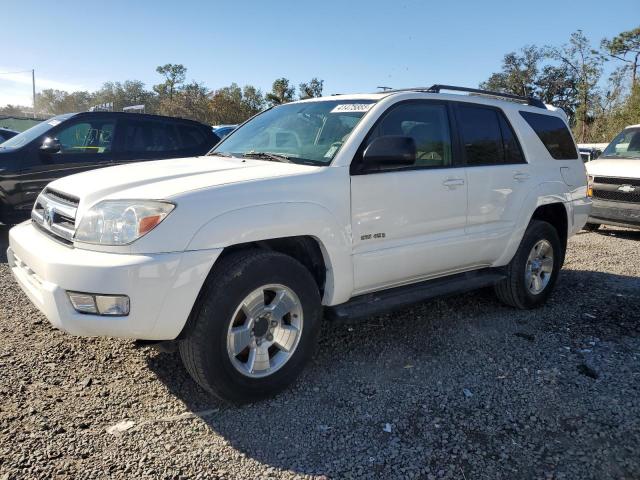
[275, 157]
[219, 154]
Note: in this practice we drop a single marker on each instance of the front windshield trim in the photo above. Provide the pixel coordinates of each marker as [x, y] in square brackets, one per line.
[310, 147]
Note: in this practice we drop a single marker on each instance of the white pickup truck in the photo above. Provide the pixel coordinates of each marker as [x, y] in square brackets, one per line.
[614, 182]
[337, 207]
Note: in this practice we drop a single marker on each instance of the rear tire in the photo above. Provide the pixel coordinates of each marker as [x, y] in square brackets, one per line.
[533, 271]
[254, 328]
[592, 227]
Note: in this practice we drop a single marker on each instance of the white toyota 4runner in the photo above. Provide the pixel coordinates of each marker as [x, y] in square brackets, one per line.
[334, 207]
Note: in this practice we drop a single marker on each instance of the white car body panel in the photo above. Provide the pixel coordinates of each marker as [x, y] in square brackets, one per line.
[221, 202]
[162, 287]
[609, 167]
[420, 239]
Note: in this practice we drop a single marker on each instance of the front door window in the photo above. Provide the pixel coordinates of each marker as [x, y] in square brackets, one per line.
[87, 137]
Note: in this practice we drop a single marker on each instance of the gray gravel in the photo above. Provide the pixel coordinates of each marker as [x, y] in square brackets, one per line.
[459, 388]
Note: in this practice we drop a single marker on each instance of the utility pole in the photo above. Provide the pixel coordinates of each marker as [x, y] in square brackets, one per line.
[33, 83]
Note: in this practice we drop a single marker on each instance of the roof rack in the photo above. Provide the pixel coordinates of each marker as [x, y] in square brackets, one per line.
[534, 102]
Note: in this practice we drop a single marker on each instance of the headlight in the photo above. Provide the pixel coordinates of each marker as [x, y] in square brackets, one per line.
[120, 222]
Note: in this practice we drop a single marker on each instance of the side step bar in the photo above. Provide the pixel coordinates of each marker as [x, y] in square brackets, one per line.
[378, 302]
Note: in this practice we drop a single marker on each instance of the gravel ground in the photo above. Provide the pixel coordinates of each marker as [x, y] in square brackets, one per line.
[460, 388]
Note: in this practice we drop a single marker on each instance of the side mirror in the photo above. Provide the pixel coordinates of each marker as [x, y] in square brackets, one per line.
[390, 151]
[50, 145]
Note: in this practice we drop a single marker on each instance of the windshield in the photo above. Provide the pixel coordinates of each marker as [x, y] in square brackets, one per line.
[309, 133]
[34, 132]
[625, 145]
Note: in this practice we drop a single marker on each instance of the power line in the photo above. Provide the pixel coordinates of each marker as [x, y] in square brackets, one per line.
[11, 73]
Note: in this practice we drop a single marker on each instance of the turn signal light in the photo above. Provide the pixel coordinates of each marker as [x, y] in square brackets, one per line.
[589, 186]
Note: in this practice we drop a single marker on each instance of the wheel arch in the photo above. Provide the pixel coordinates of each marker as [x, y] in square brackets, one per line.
[549, 202]
[556, 214]
[304, 248]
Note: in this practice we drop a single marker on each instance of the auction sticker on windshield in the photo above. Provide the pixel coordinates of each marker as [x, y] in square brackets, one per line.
[352, 107]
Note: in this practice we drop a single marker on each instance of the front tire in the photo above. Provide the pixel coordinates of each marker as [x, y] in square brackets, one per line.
[254, 328]
[533, 271]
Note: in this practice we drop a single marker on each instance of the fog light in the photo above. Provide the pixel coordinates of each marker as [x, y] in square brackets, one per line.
[117, 305]
[83, 302]
[108, 305]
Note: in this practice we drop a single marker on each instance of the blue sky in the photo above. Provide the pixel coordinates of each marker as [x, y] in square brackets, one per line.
[354, 46]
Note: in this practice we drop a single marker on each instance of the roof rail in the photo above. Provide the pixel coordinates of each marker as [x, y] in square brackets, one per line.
[534, 102]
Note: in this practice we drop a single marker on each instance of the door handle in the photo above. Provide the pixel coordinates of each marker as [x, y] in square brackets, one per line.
[453, 182]
[521, 176]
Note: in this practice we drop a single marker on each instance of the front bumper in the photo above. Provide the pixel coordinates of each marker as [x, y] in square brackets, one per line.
[615, 213]
[162, 287]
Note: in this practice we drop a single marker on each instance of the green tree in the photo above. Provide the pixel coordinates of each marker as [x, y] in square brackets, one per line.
[192, 101]
[126, 94]
[233, 104]
[518, 74]
[557, 85]
[13, 110]
[55, 102]
[253, 101]
[626, 43]
[312, 89]
[585, 65]
[174, 75]
[281, 92]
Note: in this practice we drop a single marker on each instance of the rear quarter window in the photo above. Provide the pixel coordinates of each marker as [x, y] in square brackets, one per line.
[192, 137]
[553, 133]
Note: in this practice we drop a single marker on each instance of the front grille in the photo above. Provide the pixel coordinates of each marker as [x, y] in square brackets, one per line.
[62, 197]
[617, 196]
[55, 214]
[617, 181]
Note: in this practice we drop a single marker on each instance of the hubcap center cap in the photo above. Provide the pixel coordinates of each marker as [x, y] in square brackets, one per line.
[261, 327]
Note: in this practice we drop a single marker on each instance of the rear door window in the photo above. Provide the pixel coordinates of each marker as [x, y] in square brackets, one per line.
[192, 137]
[487, 138]
[149, 137]
[553, 133]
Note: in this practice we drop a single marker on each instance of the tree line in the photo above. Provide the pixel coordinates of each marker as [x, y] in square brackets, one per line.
[175, 96]
[570, 76]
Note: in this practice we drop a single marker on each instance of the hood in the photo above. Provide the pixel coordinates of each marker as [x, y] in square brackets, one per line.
[163, 179]
[611, 167]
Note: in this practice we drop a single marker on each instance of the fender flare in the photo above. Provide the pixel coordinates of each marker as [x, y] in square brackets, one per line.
[286, 219]
[544, 194]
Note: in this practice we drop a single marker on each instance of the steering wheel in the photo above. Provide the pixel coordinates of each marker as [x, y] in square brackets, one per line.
[428, 156]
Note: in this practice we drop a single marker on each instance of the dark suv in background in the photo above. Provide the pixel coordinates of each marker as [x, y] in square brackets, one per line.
[75, 142]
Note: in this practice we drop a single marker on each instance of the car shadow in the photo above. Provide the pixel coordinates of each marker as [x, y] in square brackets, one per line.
[627, 234]
[372, 395]
[4, 242]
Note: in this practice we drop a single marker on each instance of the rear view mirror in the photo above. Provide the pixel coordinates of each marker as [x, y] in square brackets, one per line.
[51, 145]
[390, 151]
